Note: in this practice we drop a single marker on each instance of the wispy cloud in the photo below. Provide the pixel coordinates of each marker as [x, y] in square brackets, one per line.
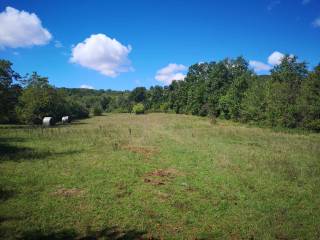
[58, 44]
[86, 86]
[316, 22]
[273, 4]
[305, 2]
[137, 82]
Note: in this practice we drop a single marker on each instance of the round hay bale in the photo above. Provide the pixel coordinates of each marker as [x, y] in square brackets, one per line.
[47, 121]
[66, 119]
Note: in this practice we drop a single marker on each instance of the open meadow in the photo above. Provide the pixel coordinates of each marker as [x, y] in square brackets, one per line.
[158, 176]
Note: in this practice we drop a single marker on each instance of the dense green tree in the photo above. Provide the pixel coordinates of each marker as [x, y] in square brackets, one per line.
[195, 89]
[155, 98]
[178, 96]
[291, 71]
[104, 102]
[230, 104]
[253, 105]
[289, 97]
[309, 101]
[238, 67]
[219, 80]
[283, 92]
[138, 95]
[123, 104]
[77, 110]
[91, 101]
[10, 90]
[40, 99]
[97, 110]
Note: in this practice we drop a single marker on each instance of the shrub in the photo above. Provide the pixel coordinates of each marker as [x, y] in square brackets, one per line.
[97, 110]
[313, 125]
[204, 110]
[77, 110]
[138, 108]
[164, 107]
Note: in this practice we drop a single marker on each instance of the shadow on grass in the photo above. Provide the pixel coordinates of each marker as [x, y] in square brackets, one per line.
[11, 139]
[19, 126]
[7, 219]
[57, 125]
[112, 233]
[10, 152]
[74, 123]
[5, 194]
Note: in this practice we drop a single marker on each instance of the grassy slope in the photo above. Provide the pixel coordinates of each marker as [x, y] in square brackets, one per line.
[94, 178]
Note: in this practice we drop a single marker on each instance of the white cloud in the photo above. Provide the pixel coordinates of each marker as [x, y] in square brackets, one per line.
[316, 22]
[171, 72]
[86, 86]
[275, 58]
[103, 54]
[137, 82]
[58, 44]
[305, 2]
[21, 29]
[259, 66]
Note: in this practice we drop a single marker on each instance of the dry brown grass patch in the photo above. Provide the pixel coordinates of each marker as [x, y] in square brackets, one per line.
[154, 182]
[161, 176]
[170, 172]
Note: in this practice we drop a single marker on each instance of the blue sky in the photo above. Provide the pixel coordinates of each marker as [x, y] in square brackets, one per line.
[155, 41]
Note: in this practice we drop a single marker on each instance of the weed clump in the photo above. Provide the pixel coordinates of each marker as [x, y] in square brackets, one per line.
[138, 108]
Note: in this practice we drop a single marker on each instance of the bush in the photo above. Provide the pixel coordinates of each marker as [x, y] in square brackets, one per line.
[77, 110]
[204, 110]
[138, 108]
[164, 107]
[313, 125]
[97, 110]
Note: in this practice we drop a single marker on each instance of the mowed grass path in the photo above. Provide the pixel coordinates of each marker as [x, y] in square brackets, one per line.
[158, 176]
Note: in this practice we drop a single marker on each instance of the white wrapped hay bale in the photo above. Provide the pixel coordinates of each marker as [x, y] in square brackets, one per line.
[47, 121]
[66, 119]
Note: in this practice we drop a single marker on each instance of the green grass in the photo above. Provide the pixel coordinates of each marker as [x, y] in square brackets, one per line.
[158, 176]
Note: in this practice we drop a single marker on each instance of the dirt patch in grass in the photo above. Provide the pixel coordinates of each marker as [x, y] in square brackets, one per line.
[68, 192]
[154, 181]
[146, 151]
[170, 172]
[161, 176]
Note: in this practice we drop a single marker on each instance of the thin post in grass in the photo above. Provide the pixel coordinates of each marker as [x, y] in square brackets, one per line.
[213, 119]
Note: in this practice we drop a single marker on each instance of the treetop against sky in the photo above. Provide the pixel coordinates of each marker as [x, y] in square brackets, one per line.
[125, 44]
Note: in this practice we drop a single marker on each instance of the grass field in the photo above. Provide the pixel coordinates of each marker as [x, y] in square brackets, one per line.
[158, 176]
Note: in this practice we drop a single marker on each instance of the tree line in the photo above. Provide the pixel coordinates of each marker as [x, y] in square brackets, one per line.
[288, 97]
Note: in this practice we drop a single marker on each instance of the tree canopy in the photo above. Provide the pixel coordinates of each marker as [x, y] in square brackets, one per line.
[288, 97]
